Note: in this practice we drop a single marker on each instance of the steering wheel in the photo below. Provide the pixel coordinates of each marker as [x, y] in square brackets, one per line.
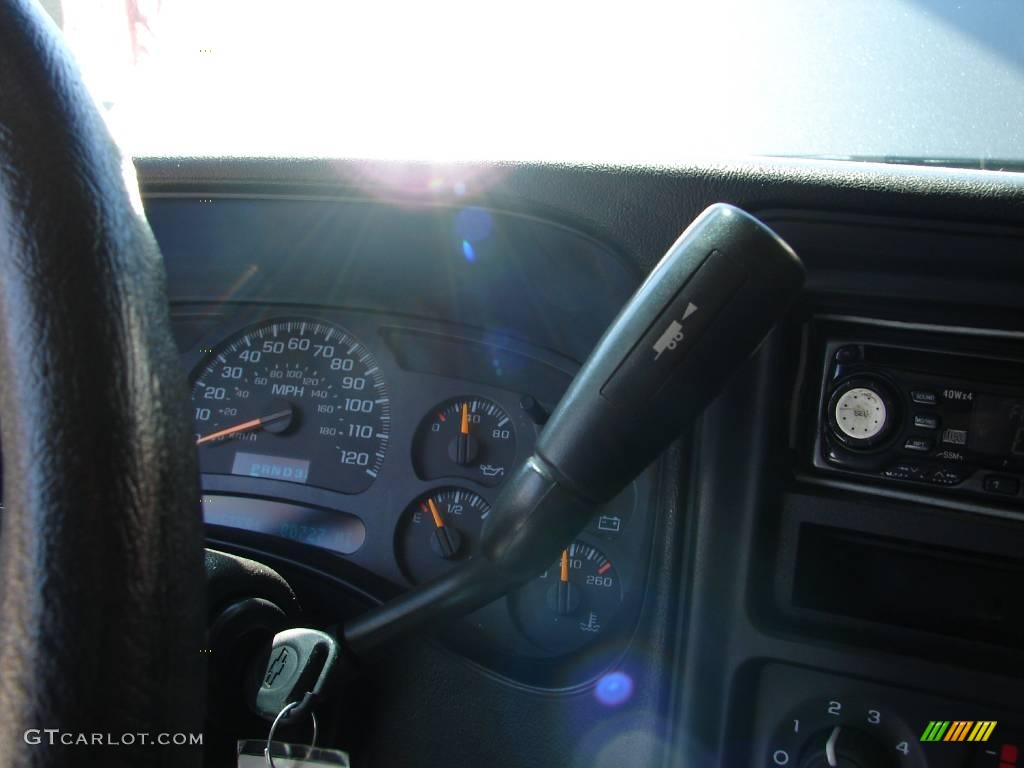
[102, 612]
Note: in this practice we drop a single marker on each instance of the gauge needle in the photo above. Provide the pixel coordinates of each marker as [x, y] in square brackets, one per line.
[447, 540]
[246, 426]
[463, 448]
[435, 513]
[567, 599]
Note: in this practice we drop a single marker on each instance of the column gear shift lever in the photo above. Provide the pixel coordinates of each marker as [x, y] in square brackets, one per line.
[703, 310]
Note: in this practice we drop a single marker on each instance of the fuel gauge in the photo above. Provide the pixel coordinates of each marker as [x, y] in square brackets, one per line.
[439, 529]
[468, 437]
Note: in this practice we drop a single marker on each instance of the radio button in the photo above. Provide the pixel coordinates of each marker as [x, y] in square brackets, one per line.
[926, 422]
[945, 476]
[922, 397]
[860, 413]
[1008, 486]
[950, 455]
[904, 471]
[848, 354]
[918, 444]
[954, 437]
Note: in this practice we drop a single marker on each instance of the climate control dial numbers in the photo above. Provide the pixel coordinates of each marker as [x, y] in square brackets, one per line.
[843, 733]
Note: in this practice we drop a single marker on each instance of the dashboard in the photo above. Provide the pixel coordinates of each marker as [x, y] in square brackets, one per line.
[368, 345]
[370, 452]
[381, 439]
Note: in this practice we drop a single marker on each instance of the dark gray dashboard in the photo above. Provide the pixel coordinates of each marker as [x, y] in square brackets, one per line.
[717, 657]
[449, 305]
[359, 535]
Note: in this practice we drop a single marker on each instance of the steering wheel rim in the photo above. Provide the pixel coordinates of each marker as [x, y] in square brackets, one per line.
[101, 574]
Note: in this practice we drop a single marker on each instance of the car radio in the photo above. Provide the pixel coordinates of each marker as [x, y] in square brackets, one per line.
[953, 421]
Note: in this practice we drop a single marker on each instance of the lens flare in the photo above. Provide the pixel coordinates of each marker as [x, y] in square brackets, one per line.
[474, 224]
[614, 689]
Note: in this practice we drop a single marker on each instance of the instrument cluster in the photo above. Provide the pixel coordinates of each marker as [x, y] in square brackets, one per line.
[385, 443]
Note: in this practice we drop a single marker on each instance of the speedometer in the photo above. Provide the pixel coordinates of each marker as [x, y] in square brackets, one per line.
[299, 401]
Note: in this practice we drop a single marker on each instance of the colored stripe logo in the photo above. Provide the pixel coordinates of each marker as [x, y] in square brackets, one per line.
[958, 730]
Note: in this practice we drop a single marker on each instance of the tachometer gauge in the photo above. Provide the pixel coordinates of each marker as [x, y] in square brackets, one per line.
[465, 437]
[439, 529]
[572, 602]
[294, 400]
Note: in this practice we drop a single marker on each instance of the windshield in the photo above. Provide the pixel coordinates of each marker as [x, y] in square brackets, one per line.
[649, 82]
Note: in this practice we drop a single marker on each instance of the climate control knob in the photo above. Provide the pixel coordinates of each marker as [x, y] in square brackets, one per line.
[861, 414]
[845, 747]
[842, 732]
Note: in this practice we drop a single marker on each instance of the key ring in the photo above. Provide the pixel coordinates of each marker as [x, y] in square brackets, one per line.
[270, 736]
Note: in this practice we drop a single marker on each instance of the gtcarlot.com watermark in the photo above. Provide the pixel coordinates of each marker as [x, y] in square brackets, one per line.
[55, 736]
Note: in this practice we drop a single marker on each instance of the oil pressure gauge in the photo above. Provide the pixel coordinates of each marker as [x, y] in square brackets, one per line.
[468, 437]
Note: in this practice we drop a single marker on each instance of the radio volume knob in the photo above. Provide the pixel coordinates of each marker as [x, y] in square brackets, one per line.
[860, 413]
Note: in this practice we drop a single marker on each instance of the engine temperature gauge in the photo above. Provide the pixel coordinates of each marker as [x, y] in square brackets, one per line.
[572, 602]
[465, 437]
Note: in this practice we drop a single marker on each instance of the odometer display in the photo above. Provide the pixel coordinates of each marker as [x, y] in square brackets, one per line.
[299, 401]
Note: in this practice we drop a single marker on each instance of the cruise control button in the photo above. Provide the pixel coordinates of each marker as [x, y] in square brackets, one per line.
[926, 422]
[1008, 486]
[923, 398]
[921, 444]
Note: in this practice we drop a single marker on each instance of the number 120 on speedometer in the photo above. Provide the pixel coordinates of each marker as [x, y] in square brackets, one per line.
[298, 401]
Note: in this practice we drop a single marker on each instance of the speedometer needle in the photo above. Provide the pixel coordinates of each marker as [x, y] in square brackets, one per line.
[246, 426]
